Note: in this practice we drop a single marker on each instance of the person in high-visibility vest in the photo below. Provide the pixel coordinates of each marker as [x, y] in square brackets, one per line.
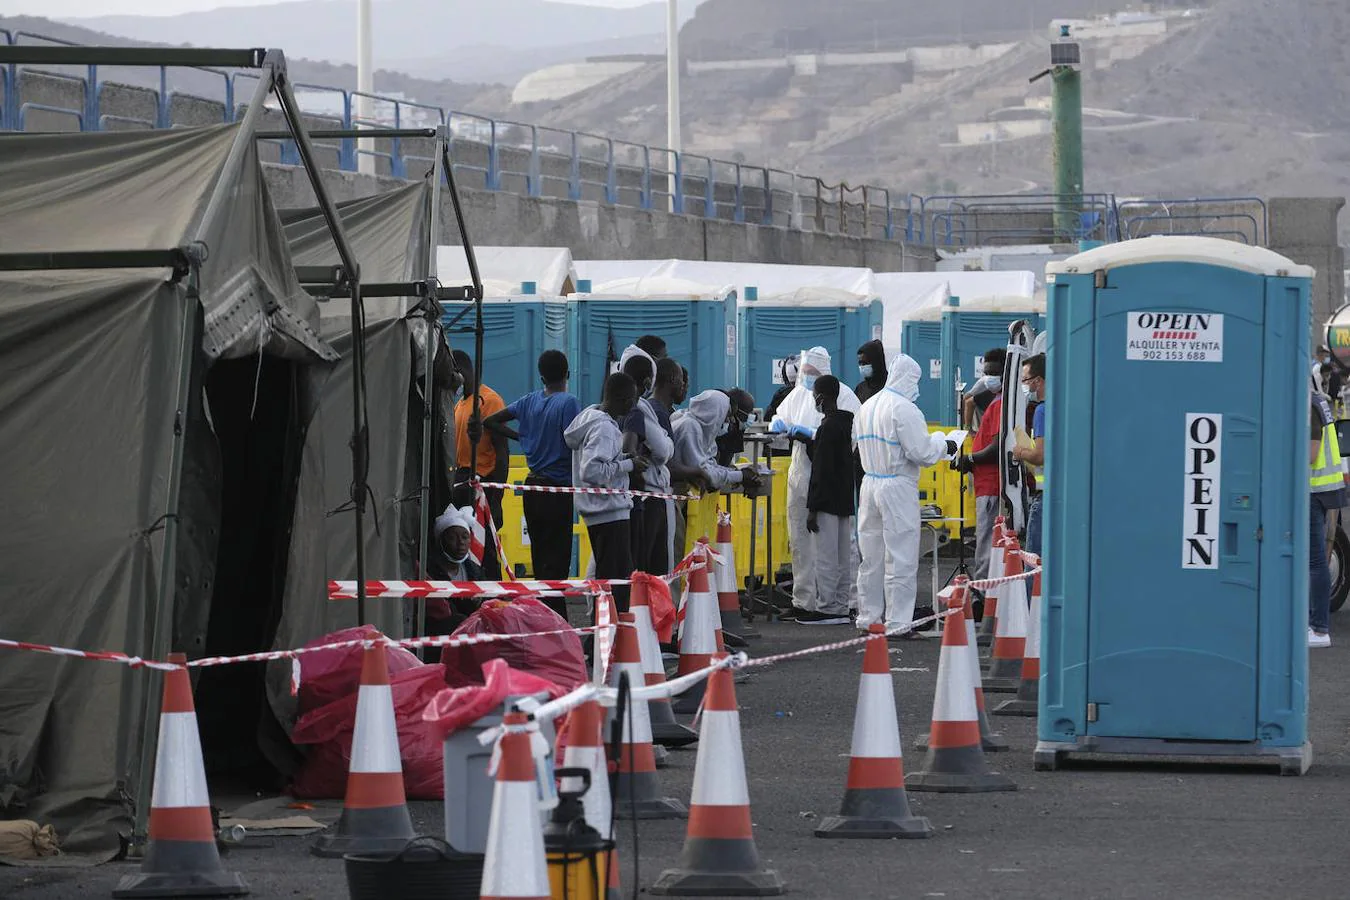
[1327, 486]
[1033, 379]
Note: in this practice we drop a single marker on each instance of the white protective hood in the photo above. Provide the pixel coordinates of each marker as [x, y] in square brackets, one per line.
[904, 377]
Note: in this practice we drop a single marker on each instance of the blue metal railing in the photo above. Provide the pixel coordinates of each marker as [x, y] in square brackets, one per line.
[1237, 218]
[539, 161]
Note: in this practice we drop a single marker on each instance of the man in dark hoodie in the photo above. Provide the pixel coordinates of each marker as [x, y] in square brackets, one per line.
[829, 505]
[598, 461]
[872, 367]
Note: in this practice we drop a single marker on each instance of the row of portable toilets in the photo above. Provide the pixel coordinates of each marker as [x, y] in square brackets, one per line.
[730, 323]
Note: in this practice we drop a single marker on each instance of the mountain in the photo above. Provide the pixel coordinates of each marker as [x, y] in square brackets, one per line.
[403, 29]
[484, 99]
[737, 29]
[495, 64]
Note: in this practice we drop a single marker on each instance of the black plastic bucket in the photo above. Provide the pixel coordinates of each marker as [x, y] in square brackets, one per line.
[427, 868]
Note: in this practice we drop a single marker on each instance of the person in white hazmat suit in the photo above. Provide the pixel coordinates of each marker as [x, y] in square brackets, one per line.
[797, 415]
[894, 444]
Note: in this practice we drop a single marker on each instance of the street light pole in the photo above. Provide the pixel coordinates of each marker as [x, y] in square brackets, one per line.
[365, 84]
[673, 93]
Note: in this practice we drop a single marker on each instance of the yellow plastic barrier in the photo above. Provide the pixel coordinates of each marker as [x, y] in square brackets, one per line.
[941, 485]
[937, 484]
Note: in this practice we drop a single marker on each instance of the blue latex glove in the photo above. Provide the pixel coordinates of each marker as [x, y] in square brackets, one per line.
[778, 426]
[802, 431]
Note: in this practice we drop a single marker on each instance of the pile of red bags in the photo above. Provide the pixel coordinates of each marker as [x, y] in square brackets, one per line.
[557, 658]
[329, 683]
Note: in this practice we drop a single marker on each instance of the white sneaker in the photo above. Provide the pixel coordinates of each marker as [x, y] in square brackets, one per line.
[1316, 639]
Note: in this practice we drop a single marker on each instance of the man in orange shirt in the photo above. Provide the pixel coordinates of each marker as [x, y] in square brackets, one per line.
[494, 456]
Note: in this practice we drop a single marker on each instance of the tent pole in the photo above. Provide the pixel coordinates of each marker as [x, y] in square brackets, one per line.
[161, 635]
[360, 433]
[477, 294]
[433, 345]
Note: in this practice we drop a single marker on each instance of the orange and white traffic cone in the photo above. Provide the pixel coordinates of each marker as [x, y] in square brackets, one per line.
[735, 630]
[586, 750]
[875, 802]
[375, 814]
[515, 867]
[989, 622]
[1027, 701]
[955, 761]
[700, 636]
[637, 788]
[181, 859]
[1010, 642]
[720, 858]
[989, 741]
[666, 731]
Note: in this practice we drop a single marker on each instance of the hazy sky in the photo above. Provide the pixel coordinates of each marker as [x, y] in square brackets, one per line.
[60, 9]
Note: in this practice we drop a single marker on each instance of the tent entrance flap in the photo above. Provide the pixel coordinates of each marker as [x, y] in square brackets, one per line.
[254, 417]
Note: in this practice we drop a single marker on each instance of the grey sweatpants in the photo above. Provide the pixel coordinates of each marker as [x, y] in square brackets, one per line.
[986, 511]
[835, 572]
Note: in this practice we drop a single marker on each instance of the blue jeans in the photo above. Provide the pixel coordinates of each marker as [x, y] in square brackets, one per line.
[1034, 527]
[1319, 574]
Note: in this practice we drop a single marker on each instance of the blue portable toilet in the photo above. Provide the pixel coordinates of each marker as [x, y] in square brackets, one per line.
[698, 323]
[1175, 610]
[524, 310]
[971, 328]
[921, 339]
[774, 328]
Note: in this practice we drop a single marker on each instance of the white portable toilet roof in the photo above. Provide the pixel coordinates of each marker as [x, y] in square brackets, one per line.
[811, 296]
[1003, 305]
[598, 271]
[505, 269]
[658, 287]
[1182, 248]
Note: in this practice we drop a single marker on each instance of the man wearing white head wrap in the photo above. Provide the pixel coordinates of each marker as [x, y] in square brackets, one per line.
[893, 444]
[798, 417]
[449, 561]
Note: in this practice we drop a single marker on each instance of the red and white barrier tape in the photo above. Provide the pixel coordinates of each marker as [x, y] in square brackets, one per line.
[413, 590]
[985, 583]
[446, 640]
[548, 489]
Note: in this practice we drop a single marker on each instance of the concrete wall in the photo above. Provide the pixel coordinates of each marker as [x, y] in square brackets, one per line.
[1307, 230]
[597, 231]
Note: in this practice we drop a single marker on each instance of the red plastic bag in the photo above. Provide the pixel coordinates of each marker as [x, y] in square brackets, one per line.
[455, 708]
[662, 606]
[554, 657]
[329, 732]
[329, 675]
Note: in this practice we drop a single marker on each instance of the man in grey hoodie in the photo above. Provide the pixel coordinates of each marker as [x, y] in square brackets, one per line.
[598, 461]
[646, 435]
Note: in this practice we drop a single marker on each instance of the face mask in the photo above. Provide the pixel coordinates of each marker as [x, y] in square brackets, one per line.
[865, 372]
[994, 382]
[808, 382]
[724, 428]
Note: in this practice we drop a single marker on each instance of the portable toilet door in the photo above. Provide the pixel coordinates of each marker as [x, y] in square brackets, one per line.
[515, 331]
[775, 328]
[1176, 503]
[699, 330]
[921, 340]
[978, 325]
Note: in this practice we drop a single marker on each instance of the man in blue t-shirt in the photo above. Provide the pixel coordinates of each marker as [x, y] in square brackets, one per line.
[1033, 379]
[542, 417]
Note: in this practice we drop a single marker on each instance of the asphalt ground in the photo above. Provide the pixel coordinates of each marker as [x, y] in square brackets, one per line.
[1089, 832]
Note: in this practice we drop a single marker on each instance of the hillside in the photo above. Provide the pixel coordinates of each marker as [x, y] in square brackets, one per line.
[733, 29]
[492, 34]
[482, 98]
[1242, 100]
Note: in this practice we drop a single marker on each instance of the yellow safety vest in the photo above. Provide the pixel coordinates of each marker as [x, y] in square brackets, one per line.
[1328, 472]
